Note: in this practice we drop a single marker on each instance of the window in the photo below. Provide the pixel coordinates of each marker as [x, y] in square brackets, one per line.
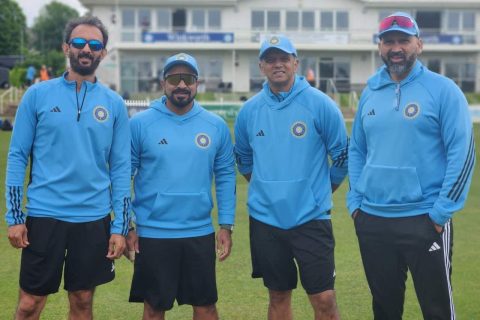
[463, 73]
[163, 19]
[198, 19]
[258, 20]
[292, 22]
[144, 19]
[336, 71]
[214, 19]
[326, 21]
[128, 24]
[342, 21]
[206, 19]
[273, 20]
[308, 20]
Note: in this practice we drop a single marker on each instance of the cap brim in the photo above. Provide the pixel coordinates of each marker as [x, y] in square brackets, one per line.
[398, 29]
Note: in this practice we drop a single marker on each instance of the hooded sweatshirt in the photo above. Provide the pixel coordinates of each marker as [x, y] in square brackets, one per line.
[284, 142]
[412, 150]
[174, 160]
[78, 144]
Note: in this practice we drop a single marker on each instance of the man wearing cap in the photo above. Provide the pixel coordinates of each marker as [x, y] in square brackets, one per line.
[177, 149]
[411, 159]
[284, 137]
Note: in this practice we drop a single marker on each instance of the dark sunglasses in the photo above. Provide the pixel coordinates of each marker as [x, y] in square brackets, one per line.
[174, 79]
[80, 43]
[403, 22]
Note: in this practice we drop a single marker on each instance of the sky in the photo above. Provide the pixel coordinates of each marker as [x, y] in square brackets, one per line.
[31, 8]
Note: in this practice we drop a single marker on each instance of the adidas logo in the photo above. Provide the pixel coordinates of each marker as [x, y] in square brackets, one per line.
[371, 113]
[56, 109]
[260, 134]
[434, 247]
[163, 141]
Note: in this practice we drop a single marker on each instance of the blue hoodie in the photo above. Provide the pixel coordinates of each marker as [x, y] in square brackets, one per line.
[285, 146]
[174, 160]
[412, 150]
[80, 162]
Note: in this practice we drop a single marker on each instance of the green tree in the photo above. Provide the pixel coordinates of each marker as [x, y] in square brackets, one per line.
[49, 25]
[12, 26]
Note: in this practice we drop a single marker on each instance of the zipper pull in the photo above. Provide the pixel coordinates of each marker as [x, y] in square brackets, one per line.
[78, 116]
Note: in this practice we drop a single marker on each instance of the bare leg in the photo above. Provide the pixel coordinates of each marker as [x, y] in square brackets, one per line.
[205, 312]
[29, 306]
[280, 306]
[324, 305]
[81, 304]
[151, 314]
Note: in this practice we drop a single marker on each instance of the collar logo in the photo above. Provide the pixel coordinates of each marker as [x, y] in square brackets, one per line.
[411, 111]
[274, 40]
[100, 113]
[202, 140]
[299, 129]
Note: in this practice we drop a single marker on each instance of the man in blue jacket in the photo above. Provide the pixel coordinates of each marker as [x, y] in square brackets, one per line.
[75, 132]
[411, 161]
[178, 147]
[284, 136]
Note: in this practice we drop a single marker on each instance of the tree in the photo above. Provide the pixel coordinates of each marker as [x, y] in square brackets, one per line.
[49, 26]
[12, 26]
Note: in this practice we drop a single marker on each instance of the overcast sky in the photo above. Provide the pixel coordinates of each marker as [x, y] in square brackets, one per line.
[31, 8]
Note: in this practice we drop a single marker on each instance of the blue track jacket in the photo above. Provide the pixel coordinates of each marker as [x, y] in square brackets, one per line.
[174, 160]
[412, 150]
[285, 146]
[80, 170]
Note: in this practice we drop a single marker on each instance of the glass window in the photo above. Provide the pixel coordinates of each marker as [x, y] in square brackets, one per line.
[453, 21]
[292, 20]
[144, 19]
[214, 19]
[308, 20]
[258, 20]
[198, 19]
[326, 20]
[469, 21]
[128, 18]
[342, 20]
[273, 20]
[163, 19]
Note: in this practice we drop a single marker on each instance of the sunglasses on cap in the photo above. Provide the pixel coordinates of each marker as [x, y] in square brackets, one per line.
[174, 79]
[80, 43]
[401, 21]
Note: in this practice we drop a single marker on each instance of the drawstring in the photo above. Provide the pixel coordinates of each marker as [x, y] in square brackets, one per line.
[79, 108]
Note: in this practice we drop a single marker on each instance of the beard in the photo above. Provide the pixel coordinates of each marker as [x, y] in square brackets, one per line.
[180, 102]
[83, 70]
[399, 68]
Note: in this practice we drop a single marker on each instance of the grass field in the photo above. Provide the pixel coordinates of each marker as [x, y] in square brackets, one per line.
[242, 298]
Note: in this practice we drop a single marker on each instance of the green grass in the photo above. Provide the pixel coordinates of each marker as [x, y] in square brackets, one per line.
[242, 298]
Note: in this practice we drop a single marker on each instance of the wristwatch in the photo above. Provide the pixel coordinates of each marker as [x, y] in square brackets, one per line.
[227, 227]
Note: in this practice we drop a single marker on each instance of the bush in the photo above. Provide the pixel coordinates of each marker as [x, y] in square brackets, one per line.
[17, 76]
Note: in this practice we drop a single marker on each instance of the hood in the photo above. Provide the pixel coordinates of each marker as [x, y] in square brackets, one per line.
[382, 78]
[299, 85]
[160, 105]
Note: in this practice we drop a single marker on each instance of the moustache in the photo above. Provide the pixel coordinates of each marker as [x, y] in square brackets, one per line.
[181, 91]
[85, 55]
[396, 55]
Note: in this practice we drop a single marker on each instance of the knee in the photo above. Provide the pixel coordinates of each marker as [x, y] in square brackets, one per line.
[29, 305]
[205, 312]
[278, 298]
[81, 300]
[324, 302]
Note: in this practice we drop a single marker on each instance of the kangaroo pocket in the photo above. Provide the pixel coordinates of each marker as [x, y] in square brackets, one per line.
[286, 201]
[174, 210]
[390, 185]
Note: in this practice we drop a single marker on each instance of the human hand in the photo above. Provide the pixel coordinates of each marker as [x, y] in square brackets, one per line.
[132, 246]
[17, 235]
[224, 243]
[116, 246]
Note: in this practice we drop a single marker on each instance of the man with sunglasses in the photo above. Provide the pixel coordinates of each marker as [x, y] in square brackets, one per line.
[284, 137]
[75, 132]
[177, 149]
[411, 161]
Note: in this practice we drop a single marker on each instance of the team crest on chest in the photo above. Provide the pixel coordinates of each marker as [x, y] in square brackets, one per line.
[202, 140]
[100, 113]
[299, 129]
[412, 110]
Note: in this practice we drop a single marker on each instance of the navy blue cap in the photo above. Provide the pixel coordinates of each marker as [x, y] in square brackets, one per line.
[181, 59]
[278, 42]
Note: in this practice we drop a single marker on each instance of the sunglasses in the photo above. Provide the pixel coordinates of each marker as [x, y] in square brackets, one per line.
[175, 79]
[80, 43]
[401, 21]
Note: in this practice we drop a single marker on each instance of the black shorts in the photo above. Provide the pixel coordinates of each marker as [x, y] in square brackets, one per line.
[169, 269]
[274, 253]
[80, 247]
